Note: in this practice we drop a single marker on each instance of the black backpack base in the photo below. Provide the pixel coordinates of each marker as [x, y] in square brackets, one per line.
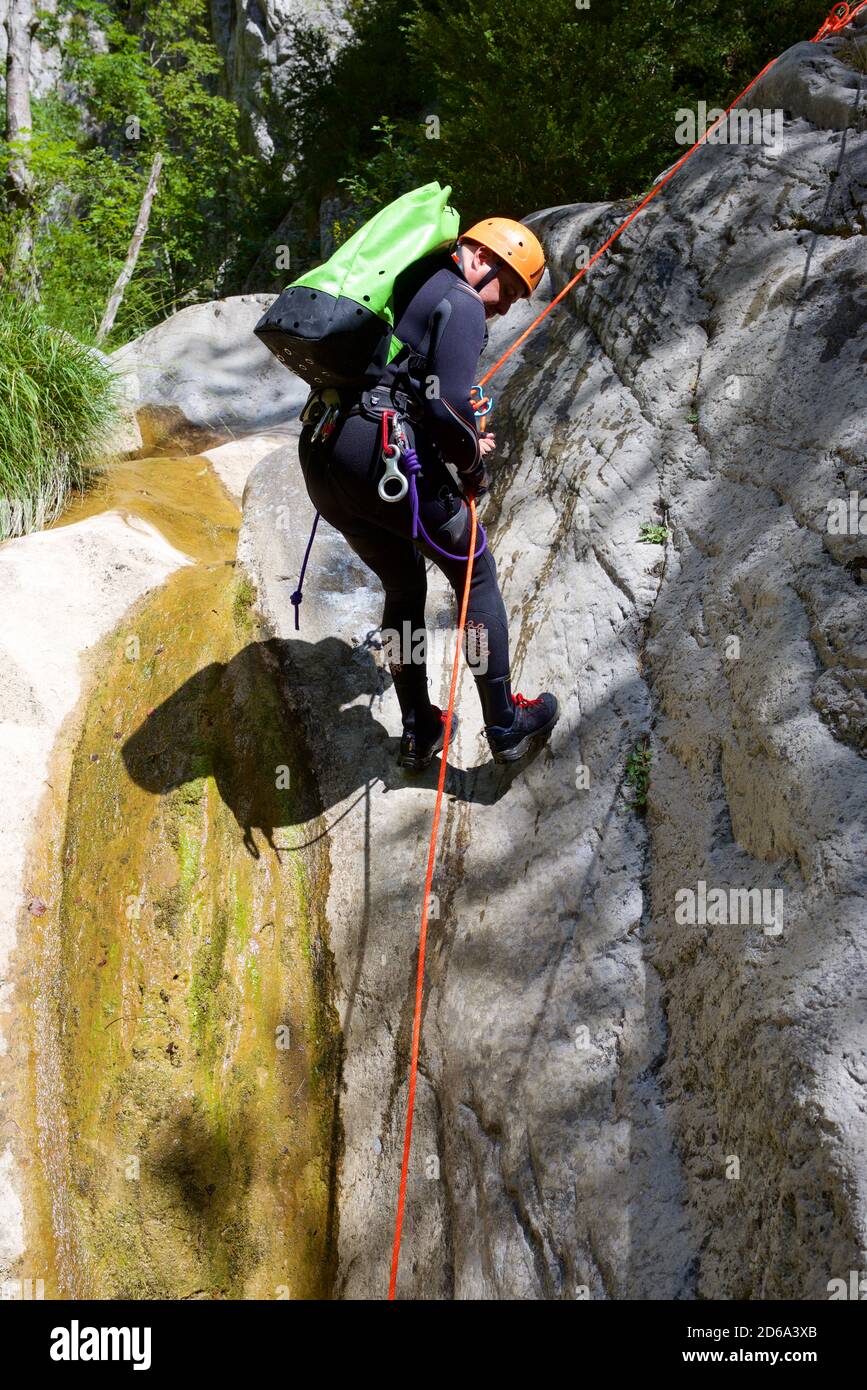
[327, 341]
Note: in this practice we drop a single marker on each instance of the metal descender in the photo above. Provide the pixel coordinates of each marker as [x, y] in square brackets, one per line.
[393, 485]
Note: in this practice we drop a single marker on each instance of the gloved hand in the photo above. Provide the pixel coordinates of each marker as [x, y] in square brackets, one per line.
[476, 481]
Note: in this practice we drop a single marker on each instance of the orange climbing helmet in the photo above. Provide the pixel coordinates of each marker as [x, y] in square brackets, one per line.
[514, 244]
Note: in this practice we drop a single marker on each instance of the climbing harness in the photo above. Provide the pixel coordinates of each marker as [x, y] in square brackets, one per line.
[393, 450]
[323, 410]
[840, 16]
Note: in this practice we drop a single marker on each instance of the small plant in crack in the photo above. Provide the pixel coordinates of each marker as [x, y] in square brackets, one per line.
[651, 533]
[638, 775]
[692, 417]
[818, 227]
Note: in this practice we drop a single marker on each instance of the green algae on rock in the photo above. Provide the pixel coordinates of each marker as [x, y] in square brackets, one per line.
[188, 1048]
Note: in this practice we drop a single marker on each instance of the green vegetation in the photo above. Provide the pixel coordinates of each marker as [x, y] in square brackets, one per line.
[523, 109]
[56, 407]
[516, 110]
[652, 534]
[854, 53]
[243, 601]
[638, 775]
[155, 89]
[183, 978]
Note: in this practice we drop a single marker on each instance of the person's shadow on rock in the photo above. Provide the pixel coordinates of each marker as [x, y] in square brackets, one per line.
[322, 680]
[243, 723]
[279, 730]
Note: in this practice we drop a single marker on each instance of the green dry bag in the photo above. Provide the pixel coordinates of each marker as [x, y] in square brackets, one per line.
[333, 326]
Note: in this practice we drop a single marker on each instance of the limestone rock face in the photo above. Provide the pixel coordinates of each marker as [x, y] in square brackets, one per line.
[202, 376]
[44, 61]
[757, 662]
[256, 39]
[45, 58]
[624, 1093]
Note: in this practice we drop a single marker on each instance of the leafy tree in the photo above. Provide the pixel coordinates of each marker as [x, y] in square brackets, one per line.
[555, 104]
[562, 104]
[154, 89]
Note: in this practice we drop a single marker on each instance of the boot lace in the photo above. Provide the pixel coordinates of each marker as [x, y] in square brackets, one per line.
[523, 703]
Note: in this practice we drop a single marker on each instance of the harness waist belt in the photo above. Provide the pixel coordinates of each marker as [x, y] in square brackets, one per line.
[371, 402]
[380, 398]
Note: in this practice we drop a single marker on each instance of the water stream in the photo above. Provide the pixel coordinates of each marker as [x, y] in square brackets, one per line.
[184, 1050]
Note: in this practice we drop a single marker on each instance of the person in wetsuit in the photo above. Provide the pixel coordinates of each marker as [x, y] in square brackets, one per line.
[441, 305]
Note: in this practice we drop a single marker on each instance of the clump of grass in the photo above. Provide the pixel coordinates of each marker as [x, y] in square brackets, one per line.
[638, 775]
[652, 534]
[243, 601]
[57, 407]
[854, 54]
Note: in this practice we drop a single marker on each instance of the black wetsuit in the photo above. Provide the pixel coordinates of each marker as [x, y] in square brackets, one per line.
[440, 318]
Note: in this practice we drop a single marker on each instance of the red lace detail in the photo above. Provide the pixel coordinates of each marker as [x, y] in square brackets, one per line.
[523, 703]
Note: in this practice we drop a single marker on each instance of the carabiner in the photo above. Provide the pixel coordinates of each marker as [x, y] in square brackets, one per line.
[325, 423]
[481, 408]
[390, 455]
[327, 402]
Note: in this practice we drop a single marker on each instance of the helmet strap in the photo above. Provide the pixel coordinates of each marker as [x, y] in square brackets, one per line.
[486, 279]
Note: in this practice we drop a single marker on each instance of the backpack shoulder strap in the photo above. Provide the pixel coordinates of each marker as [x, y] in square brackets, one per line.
[416, 360]
[436, 328]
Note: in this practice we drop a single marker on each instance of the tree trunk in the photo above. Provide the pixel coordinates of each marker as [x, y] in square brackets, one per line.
[21, 24]
[138, 237]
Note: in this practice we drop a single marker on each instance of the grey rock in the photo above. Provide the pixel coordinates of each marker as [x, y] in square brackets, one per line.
[45, 58]
[815, 81]
[612, 1104]
[44, 61]
[61, 591]
[255, 38]
[202, 376]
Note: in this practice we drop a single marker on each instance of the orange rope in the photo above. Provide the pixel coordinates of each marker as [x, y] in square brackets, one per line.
[622, 228]
[840, 16]
[419, 981]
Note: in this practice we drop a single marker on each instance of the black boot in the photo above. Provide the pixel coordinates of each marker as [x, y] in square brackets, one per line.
[511, 721]
[410, 687]
[417, 747]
